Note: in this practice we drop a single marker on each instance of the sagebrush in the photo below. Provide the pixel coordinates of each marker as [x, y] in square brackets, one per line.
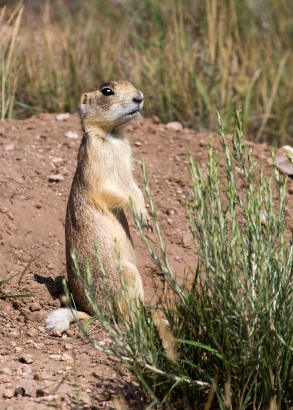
[226, 341]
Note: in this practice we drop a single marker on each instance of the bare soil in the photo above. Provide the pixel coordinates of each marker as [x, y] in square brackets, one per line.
[32, 214]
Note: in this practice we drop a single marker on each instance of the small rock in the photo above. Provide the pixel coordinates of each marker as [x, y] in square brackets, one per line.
[68, 346]
[42, 329]
[55, 356]
[170, 212]
[18, 349]
[3, 210]
[203, 143]
[138, 144]
[41, 393]
[50, 266]
[10, 216]
[13, 334]
[32, 332]
[26, 369]
[39, 346]
[26, 358]
[57, 160]
[4, 378]
[8, 391]
[9, 147]
[61, 117]
[70, 332]
[64, 170]
[57, 303]
[38, 206]
[174, 126]
[284, 166]
[70, 134]
[19, 391]
[38, 316]
[186, 240]
[67, 358]
[156, 120]
[170, 221]
[35, 307]
[105, 396]
[5, 370]
[56, 178]
[57, 333]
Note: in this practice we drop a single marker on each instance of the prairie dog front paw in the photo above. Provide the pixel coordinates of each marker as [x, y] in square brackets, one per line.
[145, 220]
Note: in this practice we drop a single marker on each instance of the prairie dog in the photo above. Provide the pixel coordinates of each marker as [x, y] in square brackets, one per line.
[99, 196]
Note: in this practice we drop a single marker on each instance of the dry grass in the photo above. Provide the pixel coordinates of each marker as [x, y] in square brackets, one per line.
[187, 57]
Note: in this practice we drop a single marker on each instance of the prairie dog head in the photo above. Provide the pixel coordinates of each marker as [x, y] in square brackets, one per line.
[110, 105]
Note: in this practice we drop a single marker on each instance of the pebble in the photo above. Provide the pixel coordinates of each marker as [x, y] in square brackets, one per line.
[64, 170]
[68, 346]
[38, 316]
[50, 266]
[186, 240]
[39, 346]
[155, 119]
[56, 178]
[61, 117]
[5, 370]
[55, 356]
[32, 332]
[19, 391]
[4, 378]
[3, 210]
[57, 333]
[174, 126]
[67, 358]
[284, 166]
[57, 160]
[9, 147]
[26, 368]
[38, 206]
[13, 334]
[70, 134]
[35, 307]
[10, 216]
[8, 391]
[138, 144]
[26, 358]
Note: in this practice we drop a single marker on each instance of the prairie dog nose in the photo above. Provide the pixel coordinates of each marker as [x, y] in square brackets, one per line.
[138, 98]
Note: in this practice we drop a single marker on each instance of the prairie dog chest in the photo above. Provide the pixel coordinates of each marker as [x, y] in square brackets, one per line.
[110, 160]
[121, 157]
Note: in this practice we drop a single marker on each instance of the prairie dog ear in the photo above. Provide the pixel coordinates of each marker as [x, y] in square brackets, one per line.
[83, 99]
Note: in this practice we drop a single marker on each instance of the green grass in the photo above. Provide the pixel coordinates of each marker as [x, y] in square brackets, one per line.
[188, 57]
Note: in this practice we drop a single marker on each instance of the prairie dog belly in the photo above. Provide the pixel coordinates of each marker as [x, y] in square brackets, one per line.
[105, 227]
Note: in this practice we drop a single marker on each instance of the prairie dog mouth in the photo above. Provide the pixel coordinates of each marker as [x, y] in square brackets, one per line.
[133, 113]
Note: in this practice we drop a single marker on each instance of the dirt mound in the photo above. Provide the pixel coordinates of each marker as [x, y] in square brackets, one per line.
[37, 164]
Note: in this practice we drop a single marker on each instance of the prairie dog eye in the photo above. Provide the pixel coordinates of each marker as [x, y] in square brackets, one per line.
[107, 91]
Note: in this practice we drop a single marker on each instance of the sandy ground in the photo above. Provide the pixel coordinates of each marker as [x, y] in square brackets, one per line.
[32, 214]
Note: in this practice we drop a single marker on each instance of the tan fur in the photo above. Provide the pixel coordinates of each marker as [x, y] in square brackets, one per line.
[100, 193]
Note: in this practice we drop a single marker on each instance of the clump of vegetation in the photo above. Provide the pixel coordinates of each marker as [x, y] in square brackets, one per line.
[188, 57]
[226, 341]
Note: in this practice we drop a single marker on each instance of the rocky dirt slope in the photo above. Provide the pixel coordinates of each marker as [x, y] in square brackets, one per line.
[37, 164]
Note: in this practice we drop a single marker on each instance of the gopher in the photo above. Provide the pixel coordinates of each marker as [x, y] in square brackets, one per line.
[100, 194]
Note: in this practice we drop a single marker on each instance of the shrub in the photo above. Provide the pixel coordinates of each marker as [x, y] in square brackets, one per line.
[227, 340]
